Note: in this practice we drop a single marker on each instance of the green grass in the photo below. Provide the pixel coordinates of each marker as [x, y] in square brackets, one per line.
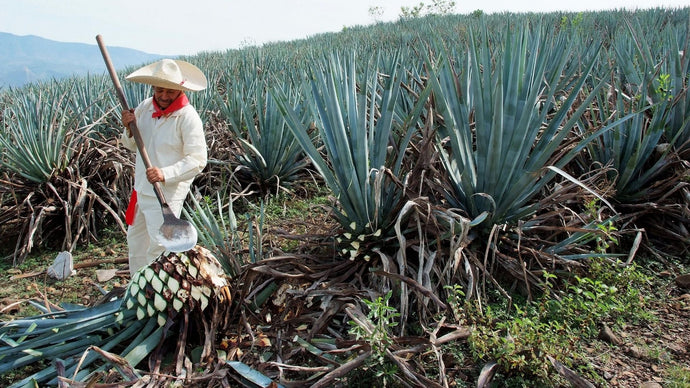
[291, 206]
[77, 289]
[677, 377]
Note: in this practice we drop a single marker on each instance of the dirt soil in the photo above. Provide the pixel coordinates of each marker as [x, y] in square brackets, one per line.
[644, 352]
[638, 355]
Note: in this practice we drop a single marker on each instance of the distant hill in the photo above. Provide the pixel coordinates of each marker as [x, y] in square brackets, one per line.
[25, 59]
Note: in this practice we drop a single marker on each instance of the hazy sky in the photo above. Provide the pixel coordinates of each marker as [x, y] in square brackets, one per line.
[187, 27]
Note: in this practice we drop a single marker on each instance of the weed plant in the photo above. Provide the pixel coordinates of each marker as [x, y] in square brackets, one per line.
[380, 318]
[520, 339]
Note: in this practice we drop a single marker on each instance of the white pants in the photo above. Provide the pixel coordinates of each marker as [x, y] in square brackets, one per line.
[143, 235]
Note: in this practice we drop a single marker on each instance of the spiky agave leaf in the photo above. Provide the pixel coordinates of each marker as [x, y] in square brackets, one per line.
[64, 335]
[217, 226]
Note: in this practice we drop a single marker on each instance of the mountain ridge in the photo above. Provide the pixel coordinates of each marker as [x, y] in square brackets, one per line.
[30, 58]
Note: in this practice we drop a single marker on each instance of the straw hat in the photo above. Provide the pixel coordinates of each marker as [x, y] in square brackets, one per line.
[170, 74]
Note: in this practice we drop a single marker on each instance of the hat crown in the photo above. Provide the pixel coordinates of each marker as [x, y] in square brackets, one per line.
[167, 69]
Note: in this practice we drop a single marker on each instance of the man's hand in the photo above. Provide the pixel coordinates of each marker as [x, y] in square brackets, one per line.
[155, 174]
[127, 119]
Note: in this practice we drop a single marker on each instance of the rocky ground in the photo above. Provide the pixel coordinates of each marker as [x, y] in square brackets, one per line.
[637, 354]
[644, 354]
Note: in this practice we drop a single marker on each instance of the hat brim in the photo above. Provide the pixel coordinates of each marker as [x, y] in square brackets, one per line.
[194, 78]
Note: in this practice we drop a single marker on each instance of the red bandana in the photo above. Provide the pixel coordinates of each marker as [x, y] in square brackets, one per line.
[180, 102]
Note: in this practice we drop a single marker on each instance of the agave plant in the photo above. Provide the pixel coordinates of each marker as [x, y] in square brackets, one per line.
[678, 79]
[272, 158]
[356, 126]
[174, 288]
[505, 129]
[216, 224]
[632, 149]
[657, 74]
[48, 164]
[503, 126]
[645, 153]
[40, 139]
[88, 100]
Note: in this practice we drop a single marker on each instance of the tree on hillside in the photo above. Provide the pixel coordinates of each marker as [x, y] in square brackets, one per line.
[376, 12]
[411, 12]
[437, 7]
[440, 7]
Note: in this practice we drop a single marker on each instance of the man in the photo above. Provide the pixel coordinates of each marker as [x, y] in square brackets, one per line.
[173, 136]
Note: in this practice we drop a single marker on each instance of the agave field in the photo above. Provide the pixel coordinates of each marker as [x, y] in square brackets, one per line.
[440, 201]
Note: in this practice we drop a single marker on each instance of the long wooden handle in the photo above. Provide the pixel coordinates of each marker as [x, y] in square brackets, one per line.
[112, 72]
[133, 126]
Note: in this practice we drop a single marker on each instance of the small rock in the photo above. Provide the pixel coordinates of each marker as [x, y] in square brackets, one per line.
[103, 275]
[634, 351]
[650, 384]
[606, 334]
[9, 306]
[62, 267]
[683, 281]
[628, 374]
[677, 348]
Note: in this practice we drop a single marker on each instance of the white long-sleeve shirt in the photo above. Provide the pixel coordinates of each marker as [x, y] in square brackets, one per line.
[176, 144]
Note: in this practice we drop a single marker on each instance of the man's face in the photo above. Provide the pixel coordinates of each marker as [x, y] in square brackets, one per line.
[164, 97]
